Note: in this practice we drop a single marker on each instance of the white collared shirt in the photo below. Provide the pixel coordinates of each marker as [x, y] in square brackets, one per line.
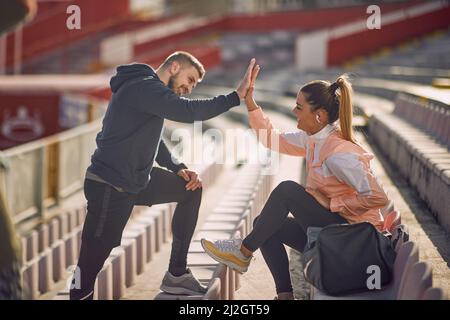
[319, 138]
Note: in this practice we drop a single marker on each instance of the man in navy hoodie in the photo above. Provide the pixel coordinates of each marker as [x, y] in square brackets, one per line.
[122, 174]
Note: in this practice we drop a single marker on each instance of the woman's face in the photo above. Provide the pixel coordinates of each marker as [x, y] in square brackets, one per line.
[306, 118]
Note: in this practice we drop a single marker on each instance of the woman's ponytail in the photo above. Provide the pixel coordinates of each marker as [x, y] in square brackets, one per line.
[337, 103]
[345, 108]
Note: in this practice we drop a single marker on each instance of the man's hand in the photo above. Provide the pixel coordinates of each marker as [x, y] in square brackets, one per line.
[321, 198]
[245, 82]
[249, 100]
[194, 181]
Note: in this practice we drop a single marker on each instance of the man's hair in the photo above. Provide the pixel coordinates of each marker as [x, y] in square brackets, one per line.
[185, 57]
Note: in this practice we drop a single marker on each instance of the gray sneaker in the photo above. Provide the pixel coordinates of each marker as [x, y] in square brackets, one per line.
[186, 284]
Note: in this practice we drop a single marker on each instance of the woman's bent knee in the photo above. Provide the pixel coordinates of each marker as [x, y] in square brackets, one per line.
[255, 221]
[288, 186]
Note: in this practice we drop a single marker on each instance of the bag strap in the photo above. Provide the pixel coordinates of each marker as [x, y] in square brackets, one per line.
[312, 233]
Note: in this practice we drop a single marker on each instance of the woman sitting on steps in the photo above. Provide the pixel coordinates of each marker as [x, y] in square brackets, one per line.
[340, 185]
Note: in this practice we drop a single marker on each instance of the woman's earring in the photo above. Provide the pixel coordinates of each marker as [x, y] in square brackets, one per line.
[317, 118]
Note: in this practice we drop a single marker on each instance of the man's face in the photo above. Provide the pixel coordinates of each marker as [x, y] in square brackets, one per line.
[184, 81]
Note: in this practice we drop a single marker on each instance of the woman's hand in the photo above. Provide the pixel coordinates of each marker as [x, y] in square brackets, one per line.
[249, 99]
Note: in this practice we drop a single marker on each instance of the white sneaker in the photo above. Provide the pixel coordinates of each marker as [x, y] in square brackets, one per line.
[185, 284]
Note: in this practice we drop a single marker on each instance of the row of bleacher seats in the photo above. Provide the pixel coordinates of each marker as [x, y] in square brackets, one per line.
[413, 74]
[432, 117]
[429, 52]
[420, 159]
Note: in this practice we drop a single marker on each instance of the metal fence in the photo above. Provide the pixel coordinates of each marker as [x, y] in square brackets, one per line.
[39, 175]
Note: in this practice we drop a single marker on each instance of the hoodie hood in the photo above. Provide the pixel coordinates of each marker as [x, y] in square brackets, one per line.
[128, 72]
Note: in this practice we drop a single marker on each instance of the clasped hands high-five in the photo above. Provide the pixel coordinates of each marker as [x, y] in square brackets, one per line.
[244, 91]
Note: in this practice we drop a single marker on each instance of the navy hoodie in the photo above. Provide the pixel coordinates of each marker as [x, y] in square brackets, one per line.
[130, 139]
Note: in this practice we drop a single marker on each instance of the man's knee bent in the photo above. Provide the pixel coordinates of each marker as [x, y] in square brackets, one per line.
[194, 195]
[197, 193]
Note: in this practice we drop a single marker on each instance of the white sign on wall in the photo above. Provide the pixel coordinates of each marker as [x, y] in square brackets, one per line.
[154, 8]
[311, 50]
[21, 126]
[73, 111]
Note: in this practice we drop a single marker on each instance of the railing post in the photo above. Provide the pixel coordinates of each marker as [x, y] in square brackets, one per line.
[40, 183]
[57, 171]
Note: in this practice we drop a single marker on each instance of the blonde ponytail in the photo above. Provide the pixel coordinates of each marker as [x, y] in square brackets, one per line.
[337, 103]
[345, 108]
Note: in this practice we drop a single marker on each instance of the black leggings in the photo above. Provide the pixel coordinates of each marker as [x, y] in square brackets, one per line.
[108, 211]
[273, 228]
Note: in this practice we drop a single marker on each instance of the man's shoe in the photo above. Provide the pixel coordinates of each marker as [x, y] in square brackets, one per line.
[227, 252]
[185, 284]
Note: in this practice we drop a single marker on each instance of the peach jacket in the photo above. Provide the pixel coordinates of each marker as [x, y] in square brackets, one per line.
[338, 168]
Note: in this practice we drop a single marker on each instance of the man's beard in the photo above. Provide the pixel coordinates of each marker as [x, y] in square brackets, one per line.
[171, 83]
